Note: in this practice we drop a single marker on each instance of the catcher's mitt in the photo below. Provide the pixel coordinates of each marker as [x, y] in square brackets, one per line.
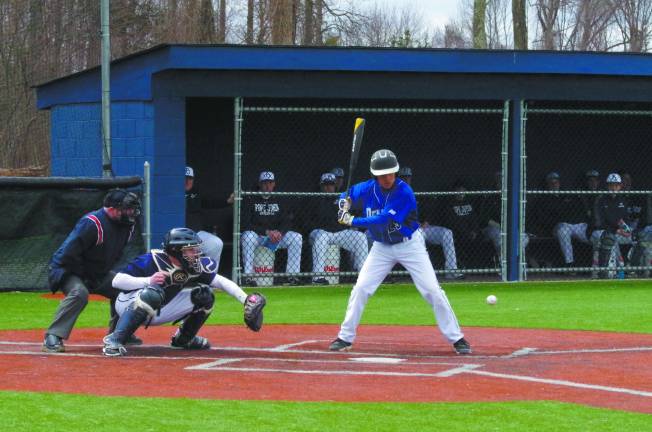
[253, 311]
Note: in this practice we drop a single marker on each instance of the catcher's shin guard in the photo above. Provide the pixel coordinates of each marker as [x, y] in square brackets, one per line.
[185, 337]
[131, 319]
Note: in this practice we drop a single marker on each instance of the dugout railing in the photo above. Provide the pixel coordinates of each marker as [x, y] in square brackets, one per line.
[444, 145]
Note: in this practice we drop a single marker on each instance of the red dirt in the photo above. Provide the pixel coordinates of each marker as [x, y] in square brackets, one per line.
[259, 366]
[60, 296]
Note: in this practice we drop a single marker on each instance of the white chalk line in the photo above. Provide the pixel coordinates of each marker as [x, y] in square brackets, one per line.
[561, 383]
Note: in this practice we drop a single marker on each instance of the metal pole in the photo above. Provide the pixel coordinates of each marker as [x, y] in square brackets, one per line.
[147, 232]
[237, 186]
[107, 170]
[522, 275]
[504, 166]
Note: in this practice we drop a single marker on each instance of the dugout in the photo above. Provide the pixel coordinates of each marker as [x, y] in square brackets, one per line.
[174, 105]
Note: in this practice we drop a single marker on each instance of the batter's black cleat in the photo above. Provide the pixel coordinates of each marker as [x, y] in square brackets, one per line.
[53, 344]
[134, 340]
[196, 343]
[462, 347]
[113, 348]
[340, 345]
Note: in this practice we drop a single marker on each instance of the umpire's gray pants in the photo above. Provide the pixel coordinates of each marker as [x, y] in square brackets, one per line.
[74, 303]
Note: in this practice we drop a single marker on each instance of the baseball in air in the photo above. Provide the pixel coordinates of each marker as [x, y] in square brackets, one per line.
[491, 299]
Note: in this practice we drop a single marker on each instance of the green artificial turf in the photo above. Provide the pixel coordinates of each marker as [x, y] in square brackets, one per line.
[619, 305]
[51, 412]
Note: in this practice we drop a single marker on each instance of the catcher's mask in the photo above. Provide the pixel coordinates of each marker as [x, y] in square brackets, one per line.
[184, 245]
[127, 203]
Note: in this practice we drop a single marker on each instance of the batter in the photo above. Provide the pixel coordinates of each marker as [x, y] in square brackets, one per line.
[392, 220]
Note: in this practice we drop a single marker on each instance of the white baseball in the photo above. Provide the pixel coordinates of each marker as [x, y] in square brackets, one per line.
[491, 299]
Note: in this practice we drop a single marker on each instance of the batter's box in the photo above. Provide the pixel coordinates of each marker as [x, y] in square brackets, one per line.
[380, 366]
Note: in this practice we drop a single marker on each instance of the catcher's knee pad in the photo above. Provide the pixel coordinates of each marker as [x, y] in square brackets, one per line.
[202, 298]
[150, 299]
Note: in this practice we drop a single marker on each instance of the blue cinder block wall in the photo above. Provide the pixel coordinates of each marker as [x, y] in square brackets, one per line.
[135, 126]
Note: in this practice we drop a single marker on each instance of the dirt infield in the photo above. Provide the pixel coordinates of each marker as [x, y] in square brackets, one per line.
[388, 363]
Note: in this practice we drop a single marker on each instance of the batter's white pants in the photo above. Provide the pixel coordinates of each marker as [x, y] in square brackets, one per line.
[211, 246]
[412, 255]
[291, 241]
[353, 241]
[565, 234]
[443, 237]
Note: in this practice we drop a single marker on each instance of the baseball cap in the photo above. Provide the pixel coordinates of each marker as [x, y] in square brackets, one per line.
[614, 178]
[405, 172]
[327, 178]
[266, 176]
[190, 172]
[338, 172]
[552, 176]
[592, 173]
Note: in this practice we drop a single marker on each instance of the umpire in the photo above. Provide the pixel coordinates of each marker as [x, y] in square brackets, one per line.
[83, 263]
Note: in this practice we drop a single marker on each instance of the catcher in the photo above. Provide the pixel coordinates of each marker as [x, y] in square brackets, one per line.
[174, 285]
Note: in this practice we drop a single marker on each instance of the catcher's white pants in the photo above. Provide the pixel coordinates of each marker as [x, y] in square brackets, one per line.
[443, 237]
[351, 240]
[211, 246]
[412, 255]
[291, 241]
[179, 306]
[565, 234]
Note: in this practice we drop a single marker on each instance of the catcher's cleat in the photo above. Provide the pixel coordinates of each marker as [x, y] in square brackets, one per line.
[53, 344]
[134, 340]
[340, 345]
[113, 348]
[196, 343]
[462, 347]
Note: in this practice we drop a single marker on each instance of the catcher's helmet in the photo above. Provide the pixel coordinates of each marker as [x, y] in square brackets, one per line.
[127, 202]
[383, 162]
[184, 245]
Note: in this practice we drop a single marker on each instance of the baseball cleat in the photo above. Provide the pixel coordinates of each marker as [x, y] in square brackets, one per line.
[320, 281]
[462, 347]
[134, 340]
[53, 344]
[113, 348]
[340, 345]
[196, 343]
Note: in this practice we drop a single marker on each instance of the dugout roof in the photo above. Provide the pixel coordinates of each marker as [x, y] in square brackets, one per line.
[338, 72]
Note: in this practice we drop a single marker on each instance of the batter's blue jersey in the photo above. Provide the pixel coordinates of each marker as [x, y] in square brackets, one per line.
[389, 215]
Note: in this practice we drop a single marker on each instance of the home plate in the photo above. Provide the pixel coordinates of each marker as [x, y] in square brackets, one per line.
[385, 360]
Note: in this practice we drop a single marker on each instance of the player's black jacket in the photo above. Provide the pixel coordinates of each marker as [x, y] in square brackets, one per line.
[266, 212]
[461, 216]
[324, 215]
[610, 210]
[90, 251]
[193, 210]
[549, 210]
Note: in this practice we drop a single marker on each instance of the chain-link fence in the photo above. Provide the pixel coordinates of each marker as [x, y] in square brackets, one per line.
[291, 163]
[588, 192]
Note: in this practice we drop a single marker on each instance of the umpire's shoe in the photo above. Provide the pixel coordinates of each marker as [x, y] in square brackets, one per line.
[196, 343]
[53, 344]
[462, 347]
[340, 345]
[113, 348]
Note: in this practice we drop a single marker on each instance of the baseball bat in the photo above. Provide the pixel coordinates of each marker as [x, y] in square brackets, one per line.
[358, 132]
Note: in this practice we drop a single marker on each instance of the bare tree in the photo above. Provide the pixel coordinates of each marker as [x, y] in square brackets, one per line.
[519, 25]
[633, 21]
[221, 22]
[479, 17]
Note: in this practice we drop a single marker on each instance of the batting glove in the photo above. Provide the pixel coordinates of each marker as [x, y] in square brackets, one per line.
[344, 218]
[344, 204]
